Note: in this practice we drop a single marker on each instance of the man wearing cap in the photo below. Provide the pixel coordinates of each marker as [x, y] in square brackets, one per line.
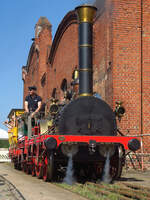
[32, 106]
[33, 102]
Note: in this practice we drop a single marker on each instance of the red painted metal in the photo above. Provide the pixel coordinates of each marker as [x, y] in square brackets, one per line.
[79, 139]
[86, 139]
[71, 139]
[36, 166]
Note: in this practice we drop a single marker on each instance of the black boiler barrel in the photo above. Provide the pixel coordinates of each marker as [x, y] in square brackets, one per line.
[86, 14]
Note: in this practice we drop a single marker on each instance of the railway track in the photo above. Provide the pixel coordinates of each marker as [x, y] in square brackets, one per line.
[8, 190]
[121, 191]
[117, 191]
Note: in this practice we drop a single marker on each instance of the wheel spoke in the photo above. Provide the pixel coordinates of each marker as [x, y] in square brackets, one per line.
[38, 170]
[48, 168]
[45, 170]
[33, 170]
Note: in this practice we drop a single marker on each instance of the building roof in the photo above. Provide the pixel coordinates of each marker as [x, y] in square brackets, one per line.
[14, 110]
[43, 21]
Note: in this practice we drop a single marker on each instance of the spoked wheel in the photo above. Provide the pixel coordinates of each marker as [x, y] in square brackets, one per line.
[33, 170]
[23, 162]
[116, 164]
[19, 166]
[15, 165]
[38, 170]
[28, 169]
[24, 167]
[48, 168]
[116, 169]
[45, 170]
[15, 162]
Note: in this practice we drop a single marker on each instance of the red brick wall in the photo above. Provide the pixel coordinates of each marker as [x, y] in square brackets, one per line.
[65, 59]
[102, 75]
[100, 58]
[146, 72]
[44, 41]
[131, 61]
[38, 66]
[127, 62]
[32, 70]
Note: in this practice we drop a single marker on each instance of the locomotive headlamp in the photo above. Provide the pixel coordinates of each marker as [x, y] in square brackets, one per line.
[119, 110]
[104, 149]
[69, 149]
[134, 144]
[53, 107]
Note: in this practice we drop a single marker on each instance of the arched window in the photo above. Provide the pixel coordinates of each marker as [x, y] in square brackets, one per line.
[43, 80]
[63, 86]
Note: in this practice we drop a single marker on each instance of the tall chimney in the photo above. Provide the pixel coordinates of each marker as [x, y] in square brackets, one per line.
[86, 14]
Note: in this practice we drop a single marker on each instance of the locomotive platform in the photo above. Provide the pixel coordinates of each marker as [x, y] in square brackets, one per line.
[18, 185]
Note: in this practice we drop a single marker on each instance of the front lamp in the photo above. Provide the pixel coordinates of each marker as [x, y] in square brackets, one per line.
[119, 110]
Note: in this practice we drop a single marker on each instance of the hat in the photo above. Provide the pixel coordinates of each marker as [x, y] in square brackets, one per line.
[32, 88]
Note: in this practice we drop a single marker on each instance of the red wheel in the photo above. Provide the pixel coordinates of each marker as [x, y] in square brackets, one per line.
[45, 170]
[38, 170]
[33, 170]
[15, 164]
[48, 168]
[28, 169]
[24, 166]
[38, 162]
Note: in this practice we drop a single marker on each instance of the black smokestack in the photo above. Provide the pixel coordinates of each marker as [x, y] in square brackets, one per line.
[86, 14]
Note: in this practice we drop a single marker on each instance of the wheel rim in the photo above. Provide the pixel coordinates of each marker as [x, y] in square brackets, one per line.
[45, 170]
[24, 166]
[116, 166]
[48, 168]
[38, 170]
[28, 169]
[33, 170]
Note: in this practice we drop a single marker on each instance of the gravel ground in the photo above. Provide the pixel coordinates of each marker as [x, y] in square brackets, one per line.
[136, 176]
[8, 190]
[30, 187]
[5, 192]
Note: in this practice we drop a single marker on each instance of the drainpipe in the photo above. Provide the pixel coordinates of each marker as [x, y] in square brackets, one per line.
[142, 150]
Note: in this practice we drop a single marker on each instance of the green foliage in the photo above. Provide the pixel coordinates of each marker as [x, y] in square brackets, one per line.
[83, 190]
[4, 144]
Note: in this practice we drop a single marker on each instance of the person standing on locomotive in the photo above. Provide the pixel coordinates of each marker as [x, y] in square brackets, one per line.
[33, 104]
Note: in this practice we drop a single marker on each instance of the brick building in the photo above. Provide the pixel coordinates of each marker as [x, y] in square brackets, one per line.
[121, 61]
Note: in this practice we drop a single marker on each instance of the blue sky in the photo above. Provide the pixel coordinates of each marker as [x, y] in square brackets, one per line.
[17, 21]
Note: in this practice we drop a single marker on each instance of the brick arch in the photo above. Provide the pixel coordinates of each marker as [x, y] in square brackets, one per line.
[70, 18]
[31, 52]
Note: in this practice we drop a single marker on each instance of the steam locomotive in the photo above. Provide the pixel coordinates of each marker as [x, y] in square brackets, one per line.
[83, 127]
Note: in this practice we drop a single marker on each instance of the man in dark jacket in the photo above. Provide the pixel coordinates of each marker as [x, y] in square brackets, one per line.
[32, 106]
[33, 102]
